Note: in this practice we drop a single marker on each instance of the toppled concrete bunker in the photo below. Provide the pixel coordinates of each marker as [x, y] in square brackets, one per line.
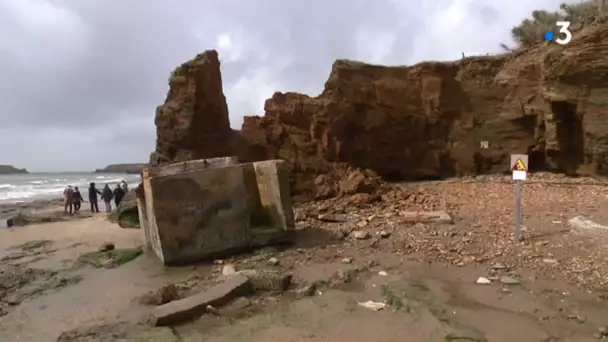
[208, 208]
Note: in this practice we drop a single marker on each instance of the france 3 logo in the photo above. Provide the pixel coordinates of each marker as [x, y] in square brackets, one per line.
[563, 36]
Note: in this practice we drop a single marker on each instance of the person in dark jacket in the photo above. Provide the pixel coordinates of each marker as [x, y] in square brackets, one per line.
[106, 195]
[93, 192]
[77, 200]
[119, 193]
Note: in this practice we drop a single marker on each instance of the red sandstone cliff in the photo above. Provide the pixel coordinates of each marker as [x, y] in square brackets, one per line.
[421, 121]
[193, 122]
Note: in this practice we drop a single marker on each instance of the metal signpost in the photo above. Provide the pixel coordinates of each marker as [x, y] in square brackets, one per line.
[519, 166]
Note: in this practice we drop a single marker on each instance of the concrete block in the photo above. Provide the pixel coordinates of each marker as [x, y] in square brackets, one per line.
[199, 214]
[205, 209]
[181, 310]
[274, 193]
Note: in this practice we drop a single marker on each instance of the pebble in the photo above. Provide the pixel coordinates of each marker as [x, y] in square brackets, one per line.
[361, 235]
[228, 269]
[384, 234]
[212, 310]
[578, 318]
[383, 273]
[483, 281]
[602, 332]
[551, 262]
[106, 247]
[509, 280]
[306, 291]
[376, 306]
[332, 218]
[346, 260]
[499, 266]
[273, 261]
[362, 223]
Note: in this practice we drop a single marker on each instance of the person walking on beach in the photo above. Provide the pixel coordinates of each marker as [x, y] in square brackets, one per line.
[68, 195]
[107, 195]
[77, 199]
[119, 193]
[125, 187]
[93, 192]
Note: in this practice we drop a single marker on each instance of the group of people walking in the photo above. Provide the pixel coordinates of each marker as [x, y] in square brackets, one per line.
[73, 198]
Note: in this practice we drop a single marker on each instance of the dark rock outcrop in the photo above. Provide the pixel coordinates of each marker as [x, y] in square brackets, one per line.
[126, 214]
[425, 121]
[134, 168]
[9, 169]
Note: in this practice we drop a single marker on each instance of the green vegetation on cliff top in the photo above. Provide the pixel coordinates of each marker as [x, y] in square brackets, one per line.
[530, 31]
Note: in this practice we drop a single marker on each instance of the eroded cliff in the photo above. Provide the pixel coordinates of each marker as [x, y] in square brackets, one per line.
[410, 122]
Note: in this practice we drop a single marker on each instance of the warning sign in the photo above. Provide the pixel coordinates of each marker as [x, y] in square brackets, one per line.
[519, 162]
[520, 166]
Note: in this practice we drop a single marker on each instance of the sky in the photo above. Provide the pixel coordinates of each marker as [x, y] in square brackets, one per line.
[80, 79]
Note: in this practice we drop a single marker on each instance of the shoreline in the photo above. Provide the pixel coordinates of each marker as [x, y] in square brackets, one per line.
[37, 211]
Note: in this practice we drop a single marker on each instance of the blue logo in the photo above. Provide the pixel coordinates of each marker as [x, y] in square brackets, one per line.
[548, 36]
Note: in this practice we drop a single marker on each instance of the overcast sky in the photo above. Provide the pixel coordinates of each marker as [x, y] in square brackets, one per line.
[80, 79]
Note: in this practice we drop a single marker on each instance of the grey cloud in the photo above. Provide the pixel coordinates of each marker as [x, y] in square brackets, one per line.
[79, 80]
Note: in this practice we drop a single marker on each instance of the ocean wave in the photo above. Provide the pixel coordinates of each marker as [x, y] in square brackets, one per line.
[51, 186]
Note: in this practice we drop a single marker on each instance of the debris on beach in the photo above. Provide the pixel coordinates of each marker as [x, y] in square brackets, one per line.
[376, 306]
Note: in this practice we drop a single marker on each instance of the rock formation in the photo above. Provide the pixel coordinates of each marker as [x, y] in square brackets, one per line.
[193, 122]
[425, 121]
[9, 169]
[134, 168]
[126, 214]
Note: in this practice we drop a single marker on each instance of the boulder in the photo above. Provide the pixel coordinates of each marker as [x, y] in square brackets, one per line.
[126, 214]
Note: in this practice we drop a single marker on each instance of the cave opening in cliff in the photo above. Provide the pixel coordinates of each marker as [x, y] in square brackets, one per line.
[393, 176]
[397, 176]
[569, 135]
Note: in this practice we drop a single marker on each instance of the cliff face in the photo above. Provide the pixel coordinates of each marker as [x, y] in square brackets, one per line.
[122, 168]
[419, 122]
[9, 169]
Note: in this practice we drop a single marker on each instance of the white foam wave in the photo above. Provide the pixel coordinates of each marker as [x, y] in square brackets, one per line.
[45, 187]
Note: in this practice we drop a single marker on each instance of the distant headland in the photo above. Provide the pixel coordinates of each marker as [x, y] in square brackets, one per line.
[134, 168]
[9, 170]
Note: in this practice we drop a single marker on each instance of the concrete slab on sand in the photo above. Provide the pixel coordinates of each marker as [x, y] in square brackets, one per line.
[187, 308]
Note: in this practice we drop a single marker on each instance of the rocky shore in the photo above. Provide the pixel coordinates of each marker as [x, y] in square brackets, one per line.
[39, 211]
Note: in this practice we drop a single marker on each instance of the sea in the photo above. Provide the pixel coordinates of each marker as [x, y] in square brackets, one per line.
[17, 188]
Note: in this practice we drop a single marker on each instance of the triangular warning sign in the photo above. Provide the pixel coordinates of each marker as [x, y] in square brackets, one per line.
[520, 165]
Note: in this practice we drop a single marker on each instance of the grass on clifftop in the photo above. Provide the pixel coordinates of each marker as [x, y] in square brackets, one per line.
[530, 31]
